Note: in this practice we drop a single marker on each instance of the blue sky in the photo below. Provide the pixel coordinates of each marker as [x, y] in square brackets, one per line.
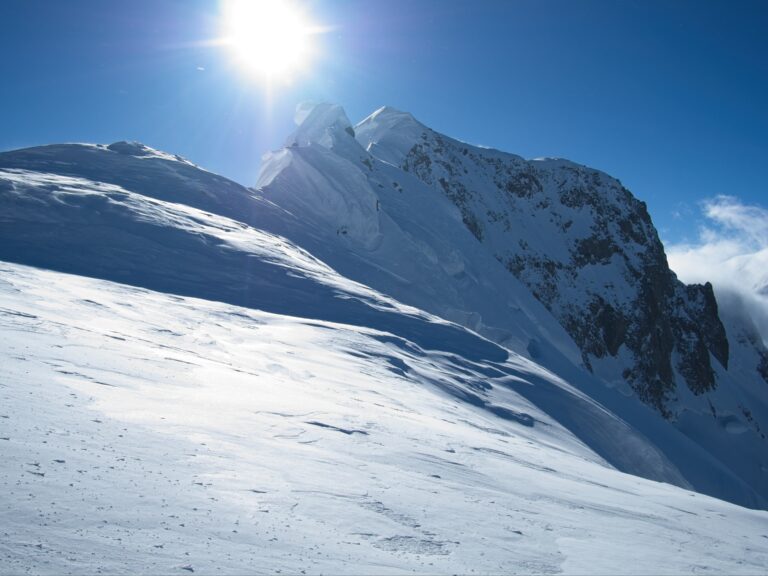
[670, 97]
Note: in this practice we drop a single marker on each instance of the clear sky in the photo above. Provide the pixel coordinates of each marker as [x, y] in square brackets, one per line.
[671, 97]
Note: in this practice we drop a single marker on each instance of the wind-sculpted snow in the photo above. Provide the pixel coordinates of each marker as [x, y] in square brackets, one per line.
[144, 432]
[133, 166]
[105, 231]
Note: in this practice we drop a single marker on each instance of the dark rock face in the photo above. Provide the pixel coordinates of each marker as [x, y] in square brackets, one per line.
[762, 367]
[698, 330]
[589, 252]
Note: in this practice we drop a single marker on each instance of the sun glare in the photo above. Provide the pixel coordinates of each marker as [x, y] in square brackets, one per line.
[270, 38]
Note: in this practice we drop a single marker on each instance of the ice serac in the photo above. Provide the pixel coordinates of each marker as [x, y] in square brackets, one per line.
[322, 124]
[389, 134]
[335, 199]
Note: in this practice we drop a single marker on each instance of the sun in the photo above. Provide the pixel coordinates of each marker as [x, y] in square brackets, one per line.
[272, 39]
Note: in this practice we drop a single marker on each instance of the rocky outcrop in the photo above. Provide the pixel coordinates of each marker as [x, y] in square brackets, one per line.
[586, 248]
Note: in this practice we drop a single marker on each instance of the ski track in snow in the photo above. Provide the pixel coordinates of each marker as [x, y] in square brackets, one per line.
[145, 432]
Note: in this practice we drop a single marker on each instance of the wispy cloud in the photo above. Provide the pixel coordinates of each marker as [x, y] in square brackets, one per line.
[732, 253]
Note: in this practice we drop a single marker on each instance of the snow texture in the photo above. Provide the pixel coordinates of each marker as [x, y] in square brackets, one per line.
[147, 432]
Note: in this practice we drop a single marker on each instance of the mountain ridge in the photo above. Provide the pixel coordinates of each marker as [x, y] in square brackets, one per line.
[125, 213]
[439, 160]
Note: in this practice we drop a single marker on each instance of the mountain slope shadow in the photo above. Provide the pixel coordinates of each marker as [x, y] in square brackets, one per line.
[100, 230]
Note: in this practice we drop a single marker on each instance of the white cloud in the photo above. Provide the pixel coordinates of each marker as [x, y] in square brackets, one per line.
[732, 253]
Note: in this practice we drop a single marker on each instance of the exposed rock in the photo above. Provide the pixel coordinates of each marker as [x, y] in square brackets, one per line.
[588, 251]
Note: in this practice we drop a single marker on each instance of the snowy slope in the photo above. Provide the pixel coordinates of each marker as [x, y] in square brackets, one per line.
[146, 432]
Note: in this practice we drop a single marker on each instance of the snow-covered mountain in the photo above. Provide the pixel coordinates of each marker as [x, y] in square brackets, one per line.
[554, 260]
[584, 246]
[323, 373]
